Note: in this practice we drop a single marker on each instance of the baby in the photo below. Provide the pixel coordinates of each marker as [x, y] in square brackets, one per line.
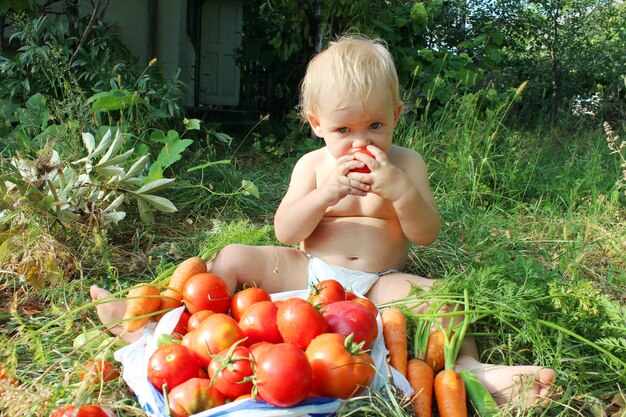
[352, 215]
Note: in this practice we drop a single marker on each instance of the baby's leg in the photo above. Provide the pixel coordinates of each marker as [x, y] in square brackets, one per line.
[110, 312]
[519, 386]
[514, 385]
[273, 268]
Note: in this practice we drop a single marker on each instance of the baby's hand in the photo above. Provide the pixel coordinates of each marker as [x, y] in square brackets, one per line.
[384, 179]
[339, 184]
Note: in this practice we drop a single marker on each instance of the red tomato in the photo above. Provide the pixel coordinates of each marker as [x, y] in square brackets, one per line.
[214, 334]
[206, 292]
[326, 291]
[99, 371]
[367, 304]
[194, 396]
[181, 327]
[231, 371]
[172, 365]
[245, 298]
[196, 318]
[283, 375]
[299, 322]
[339, 368]
[346, 317]
[258, 323]
[82, 411]
[364, 169]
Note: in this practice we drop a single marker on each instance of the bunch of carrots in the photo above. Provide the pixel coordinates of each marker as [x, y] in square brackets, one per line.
[430, 370]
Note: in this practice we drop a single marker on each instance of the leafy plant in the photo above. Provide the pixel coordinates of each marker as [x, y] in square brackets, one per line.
[89, 191]
[83, 84]
[139, 101]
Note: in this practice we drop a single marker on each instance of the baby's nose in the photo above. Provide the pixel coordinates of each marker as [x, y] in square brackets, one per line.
[360, 142]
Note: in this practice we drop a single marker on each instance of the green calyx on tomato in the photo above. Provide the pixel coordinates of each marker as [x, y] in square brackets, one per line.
[232, 371]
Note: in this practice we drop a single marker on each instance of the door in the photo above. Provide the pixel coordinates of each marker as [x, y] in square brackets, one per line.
[220, 36]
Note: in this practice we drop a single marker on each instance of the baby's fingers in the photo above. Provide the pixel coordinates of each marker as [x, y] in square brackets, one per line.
[355, 184]
[347, 166]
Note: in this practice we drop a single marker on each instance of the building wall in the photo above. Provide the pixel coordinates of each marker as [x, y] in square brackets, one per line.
[172, 47]
[130, 19]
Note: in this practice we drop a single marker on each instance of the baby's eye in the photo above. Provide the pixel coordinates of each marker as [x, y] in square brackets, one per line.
[342, 130]
[376, 125]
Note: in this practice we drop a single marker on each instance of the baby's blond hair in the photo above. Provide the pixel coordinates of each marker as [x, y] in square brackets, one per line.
[352, 66]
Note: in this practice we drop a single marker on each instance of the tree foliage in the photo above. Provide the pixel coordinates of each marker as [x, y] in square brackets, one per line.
[567, 50]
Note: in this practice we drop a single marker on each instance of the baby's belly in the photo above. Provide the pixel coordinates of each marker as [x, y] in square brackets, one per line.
[366, 244]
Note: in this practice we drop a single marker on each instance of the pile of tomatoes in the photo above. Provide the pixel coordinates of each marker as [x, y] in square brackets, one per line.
[248, 345]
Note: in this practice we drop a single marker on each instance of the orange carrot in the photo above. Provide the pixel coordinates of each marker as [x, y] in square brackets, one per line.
[141, 302]
[395, 335]
[421, 378]
[187, 268]
[449, 386]
[434, 350]
[169, 301]
[450, 394]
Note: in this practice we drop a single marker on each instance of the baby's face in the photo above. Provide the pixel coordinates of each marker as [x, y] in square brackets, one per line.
[352, 124]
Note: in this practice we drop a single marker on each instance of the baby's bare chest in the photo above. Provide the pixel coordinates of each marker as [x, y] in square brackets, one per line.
[367, 206]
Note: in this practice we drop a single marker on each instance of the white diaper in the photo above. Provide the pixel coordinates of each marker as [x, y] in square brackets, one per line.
[358, 282]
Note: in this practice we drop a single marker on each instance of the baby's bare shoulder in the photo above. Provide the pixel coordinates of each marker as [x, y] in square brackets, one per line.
[401, 156]
[311, 159]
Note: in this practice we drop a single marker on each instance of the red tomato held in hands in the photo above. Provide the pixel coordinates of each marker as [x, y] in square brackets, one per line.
[214, 334]
[231, 371]
[172, 365]
[299, 322]
[346, 317]
[258, 323]
[326, 291]
[83, 411]
[206, 291]
[364, 169]
[194, 396]
[283, 375]
[245, 298]
[339, 368]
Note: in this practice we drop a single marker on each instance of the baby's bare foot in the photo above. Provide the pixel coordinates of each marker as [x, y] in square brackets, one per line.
[111, 312]
[519, 386]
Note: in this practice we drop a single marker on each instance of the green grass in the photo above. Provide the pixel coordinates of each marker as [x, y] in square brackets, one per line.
[533, 228]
